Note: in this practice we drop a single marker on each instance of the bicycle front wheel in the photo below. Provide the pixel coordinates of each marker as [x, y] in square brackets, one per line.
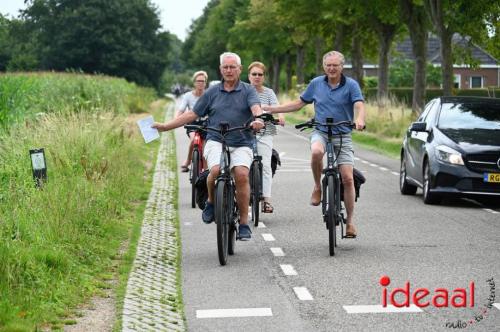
[195, 173]
[330, 200]
[221, 218]
[233, 215]
[255, 192]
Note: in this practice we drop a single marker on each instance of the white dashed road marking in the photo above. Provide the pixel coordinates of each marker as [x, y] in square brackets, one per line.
[497, 305]
[268, 237]
[395, 173]
[277, 252]
[302, 294]
[364, 309]
[373, 165]
[230, 313]
[261, 225]
[383, 169]
[288, 270]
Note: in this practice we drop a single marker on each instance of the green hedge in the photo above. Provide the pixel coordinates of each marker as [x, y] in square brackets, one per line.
[405, 95]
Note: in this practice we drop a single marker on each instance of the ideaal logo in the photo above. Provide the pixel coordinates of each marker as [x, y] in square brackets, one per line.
[439, 298]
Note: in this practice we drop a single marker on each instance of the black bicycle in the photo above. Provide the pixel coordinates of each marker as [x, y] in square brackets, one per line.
[226, 210]
[331, 203]
[255, 176]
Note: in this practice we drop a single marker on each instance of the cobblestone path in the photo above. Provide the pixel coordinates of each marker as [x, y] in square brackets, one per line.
[151, 302]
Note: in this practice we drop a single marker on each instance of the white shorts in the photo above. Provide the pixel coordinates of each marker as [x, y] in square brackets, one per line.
[240, 156]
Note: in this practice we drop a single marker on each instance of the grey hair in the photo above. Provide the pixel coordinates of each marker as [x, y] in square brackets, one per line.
[334, 53]
[230, 55]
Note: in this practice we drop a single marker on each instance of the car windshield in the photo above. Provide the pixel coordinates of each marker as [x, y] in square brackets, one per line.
[470, 116]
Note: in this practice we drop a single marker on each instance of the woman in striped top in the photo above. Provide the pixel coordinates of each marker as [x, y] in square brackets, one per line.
[256, 76]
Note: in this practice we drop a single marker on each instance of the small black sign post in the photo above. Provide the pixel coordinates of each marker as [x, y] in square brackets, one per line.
[39, 166]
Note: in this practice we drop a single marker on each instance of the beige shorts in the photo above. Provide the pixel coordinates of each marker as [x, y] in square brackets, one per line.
[240, 156]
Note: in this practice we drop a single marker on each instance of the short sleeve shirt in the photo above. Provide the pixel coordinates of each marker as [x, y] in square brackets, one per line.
[336, 103]
[229, 106]
[188, 101]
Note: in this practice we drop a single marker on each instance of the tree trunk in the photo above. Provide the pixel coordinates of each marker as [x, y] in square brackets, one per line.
[288, 64]
[318, 47]
[386, 33]
[357, 60]
[300, 64]
[414, 17]
[339, 37]
[435, 11]
[276, 74]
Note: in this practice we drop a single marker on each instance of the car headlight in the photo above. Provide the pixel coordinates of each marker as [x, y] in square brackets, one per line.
[448, 155]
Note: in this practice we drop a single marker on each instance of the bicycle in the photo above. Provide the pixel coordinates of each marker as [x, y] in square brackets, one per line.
[255, 175]
[226, 208]
[331, 204]
[197, 161]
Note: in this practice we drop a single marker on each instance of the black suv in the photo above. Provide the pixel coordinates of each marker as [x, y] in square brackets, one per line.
[453, 149]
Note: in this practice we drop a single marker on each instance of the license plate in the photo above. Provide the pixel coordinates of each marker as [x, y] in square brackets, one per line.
[491, 177]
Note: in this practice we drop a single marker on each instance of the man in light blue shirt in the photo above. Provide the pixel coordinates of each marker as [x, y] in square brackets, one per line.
[334, 96]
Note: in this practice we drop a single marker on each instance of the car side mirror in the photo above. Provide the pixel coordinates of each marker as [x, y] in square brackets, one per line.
[418, 126]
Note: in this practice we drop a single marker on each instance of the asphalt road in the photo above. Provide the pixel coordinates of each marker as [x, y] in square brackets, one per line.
[446, 246]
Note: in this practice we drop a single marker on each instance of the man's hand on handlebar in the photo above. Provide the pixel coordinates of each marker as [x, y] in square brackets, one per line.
[360, 124]
[257, 124]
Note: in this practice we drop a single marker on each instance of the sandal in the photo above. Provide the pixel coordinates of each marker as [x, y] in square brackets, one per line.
[267, 207]
[184, 169]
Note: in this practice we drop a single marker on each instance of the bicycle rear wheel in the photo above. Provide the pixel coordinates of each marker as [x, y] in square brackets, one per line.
[331, 225]
[195, 173]
[255, 192]
[221, 218]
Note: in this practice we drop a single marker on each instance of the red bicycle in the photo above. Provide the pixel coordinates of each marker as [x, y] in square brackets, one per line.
[197, 162]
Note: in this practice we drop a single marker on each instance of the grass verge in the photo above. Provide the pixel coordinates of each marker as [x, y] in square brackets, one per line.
[58, 245]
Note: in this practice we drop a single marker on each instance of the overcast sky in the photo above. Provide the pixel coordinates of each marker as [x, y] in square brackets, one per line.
[176, 15]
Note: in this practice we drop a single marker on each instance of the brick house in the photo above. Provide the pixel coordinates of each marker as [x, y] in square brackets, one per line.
[487, 74]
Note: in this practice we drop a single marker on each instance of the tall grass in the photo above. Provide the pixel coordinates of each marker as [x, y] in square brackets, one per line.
[24, 95]
[55, 242]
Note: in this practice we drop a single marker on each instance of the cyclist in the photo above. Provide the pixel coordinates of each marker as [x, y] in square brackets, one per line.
[256, 76]
[336, 96]
[190, 98]
[234, 102]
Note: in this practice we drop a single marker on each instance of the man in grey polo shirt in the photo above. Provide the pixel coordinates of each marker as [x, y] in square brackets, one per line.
[334, 96]
[237, 103]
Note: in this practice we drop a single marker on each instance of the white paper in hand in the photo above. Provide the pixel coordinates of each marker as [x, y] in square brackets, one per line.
[149, 134]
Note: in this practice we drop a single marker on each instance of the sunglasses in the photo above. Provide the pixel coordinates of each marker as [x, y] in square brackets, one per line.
[257, 74]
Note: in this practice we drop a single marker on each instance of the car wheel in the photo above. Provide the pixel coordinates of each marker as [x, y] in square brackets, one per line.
[404, 186]
[429, 197]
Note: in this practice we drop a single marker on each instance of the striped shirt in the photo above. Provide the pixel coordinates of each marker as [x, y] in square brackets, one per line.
[268, 97]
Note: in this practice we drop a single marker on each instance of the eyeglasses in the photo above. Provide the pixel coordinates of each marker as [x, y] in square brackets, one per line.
[229, 67]
[199, 81]
[257, 74]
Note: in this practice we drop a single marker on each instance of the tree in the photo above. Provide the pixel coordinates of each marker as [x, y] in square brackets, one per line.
[463, 16]
[114, 37]
[414, 16]
[386, 21]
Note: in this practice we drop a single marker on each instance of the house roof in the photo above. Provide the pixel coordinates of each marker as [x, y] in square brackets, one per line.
[434, 54]
[403, 49]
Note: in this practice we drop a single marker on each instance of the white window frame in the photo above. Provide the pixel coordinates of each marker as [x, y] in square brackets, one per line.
[470, 81]
[457, 78]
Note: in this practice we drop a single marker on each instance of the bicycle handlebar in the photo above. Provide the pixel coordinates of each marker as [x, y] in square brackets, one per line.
[311, 123]
[220, 130]
[267, 118]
